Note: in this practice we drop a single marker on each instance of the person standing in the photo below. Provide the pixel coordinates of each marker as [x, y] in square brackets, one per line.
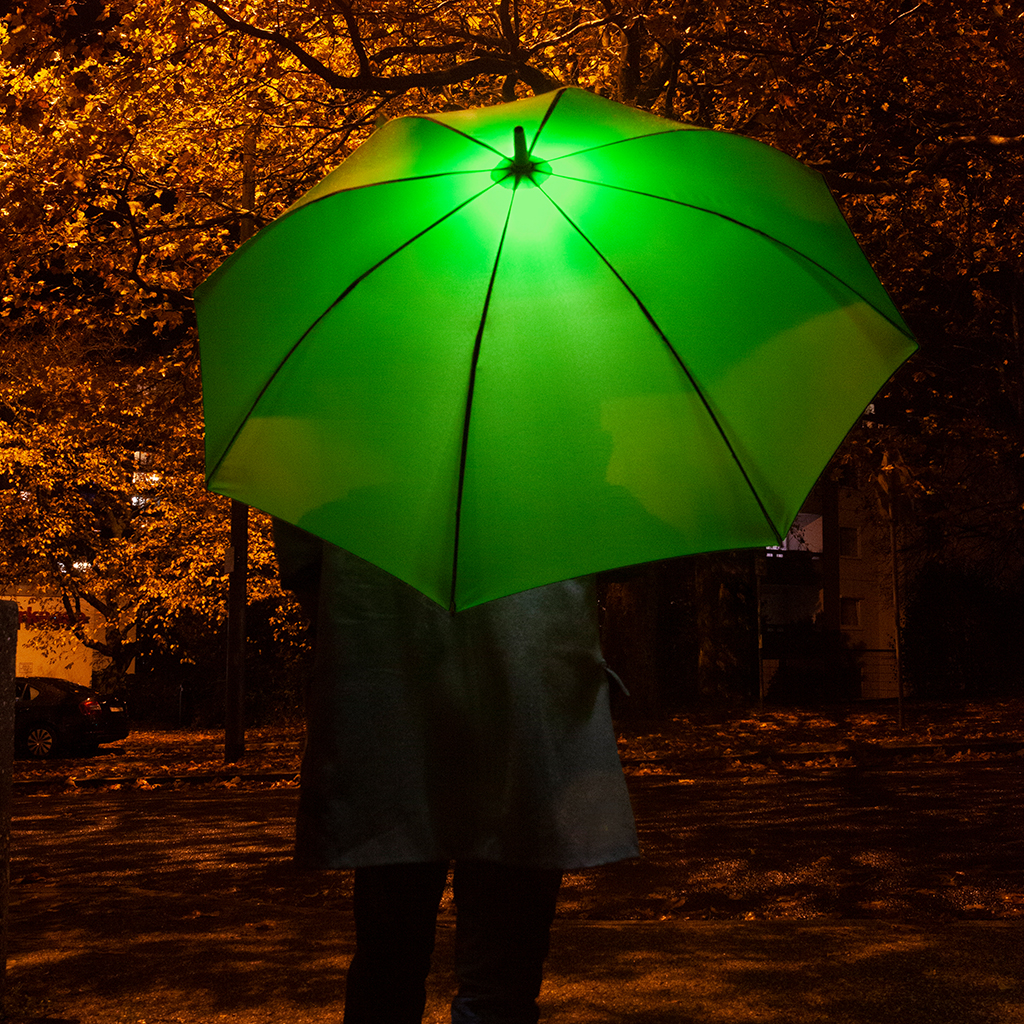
[481, 739]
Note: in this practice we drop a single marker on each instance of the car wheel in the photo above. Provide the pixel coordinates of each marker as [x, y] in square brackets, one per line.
[40, 741]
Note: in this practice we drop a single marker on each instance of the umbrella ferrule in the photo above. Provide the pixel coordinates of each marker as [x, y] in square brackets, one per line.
[521, 155]
[522, 167]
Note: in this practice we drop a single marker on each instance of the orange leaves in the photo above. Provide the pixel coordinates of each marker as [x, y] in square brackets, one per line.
[753, 745]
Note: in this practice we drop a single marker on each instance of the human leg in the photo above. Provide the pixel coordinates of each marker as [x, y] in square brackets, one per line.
[396, 916]
[502, 934]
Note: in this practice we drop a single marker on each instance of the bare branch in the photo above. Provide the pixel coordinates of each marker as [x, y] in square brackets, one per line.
[985, 142]
[368, 81]
[568, 34]
[306, 59]
[842, 185]
[748, 48]
[507, 29]
[399, 51]
[353, 33]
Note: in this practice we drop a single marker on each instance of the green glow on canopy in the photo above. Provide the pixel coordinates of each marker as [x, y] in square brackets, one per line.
[665, 332]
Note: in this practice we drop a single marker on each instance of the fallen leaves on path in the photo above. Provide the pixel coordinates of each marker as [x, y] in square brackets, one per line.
[745, 741]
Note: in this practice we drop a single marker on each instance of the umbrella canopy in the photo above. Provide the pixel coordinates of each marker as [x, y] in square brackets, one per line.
[506, 346]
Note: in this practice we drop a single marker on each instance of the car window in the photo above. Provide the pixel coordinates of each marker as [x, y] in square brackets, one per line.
[43, 693]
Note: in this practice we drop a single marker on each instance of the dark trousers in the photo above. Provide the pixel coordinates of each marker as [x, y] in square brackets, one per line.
[502, 931]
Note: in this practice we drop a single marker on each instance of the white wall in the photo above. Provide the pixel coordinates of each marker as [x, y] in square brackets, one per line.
[46, 644]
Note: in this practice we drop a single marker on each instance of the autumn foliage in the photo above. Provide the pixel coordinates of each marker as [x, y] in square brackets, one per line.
[121, 160]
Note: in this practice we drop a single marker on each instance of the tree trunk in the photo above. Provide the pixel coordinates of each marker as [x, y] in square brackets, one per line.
[725, 599]
[8, 653]
[629, 636]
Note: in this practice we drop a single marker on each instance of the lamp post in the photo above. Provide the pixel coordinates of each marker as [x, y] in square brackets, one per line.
[8, 653]
[238, 553]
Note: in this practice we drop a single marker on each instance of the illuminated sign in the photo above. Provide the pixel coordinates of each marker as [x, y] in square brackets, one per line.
[30, 617]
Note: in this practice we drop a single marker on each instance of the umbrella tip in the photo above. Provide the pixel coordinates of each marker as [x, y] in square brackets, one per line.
[522, 167]
[521, 158]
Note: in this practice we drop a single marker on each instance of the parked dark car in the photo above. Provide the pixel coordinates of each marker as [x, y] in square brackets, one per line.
[53, 715]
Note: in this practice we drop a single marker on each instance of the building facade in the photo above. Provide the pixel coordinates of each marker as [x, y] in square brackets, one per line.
[47, 641]
[826, 599]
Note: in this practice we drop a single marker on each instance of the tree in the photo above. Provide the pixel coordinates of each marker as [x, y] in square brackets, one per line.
[121, 163]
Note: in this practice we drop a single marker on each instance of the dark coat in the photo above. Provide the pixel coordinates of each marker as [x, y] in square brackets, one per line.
[431, 736]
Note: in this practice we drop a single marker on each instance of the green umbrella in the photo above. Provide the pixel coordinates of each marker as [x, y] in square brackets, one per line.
[506, 346]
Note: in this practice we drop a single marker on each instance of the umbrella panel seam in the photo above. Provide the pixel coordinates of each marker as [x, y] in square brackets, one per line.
[682, 365]
[435, 119]
[675, 127]
[341, 297]
[618, 142]
[747, 227]
[470, 388]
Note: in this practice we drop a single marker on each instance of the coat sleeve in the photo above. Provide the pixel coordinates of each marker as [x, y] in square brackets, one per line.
[299, 564]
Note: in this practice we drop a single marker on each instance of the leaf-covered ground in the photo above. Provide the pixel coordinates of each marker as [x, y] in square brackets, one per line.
[759, 813]
[702, 742]
[847, 734]
[810, 819]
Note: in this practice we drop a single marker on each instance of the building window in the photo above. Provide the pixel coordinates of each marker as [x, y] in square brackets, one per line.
[849, 611]
[849, 542]
[145, 479]
[804, 535]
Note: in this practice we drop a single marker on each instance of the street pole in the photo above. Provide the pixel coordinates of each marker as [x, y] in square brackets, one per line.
[760, 569]
[8, 657]
[893, 492]
[831, 583]
[238, 553]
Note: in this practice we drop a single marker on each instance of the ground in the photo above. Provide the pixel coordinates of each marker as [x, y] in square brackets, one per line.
[810, 821]
[754, 813]
[711, 742]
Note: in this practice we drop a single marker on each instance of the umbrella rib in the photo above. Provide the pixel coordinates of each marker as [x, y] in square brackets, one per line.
[295, 208]
[547, 115]
[741, 224]
[682, 365]
[486, 145]
[344, 294]
[467, 416]
[558, 95]
[629, 138]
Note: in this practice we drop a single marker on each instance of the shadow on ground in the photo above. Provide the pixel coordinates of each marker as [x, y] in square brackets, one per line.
[860, 895]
